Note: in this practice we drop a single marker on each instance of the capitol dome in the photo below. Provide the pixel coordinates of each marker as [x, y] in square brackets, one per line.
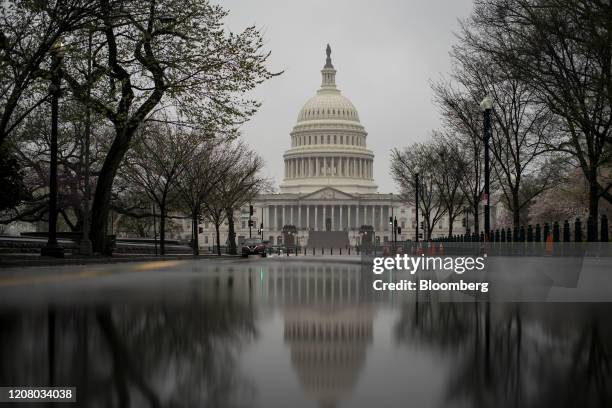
[328, 105]
[328, 144]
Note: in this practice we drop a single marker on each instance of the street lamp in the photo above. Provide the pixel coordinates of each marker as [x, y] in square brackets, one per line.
[416, 186]
[486, 105]
[53, 248]
[391, 222]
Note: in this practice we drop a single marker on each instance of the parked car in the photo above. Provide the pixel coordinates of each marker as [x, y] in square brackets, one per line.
[254, 246]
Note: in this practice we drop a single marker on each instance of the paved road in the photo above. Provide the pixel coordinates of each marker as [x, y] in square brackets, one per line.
[561, 278]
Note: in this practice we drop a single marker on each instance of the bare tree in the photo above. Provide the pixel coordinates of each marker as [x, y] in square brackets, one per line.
[449, 174]
[462, 117]
[405, 163]
[154, 165]
[523, 129]
[241, 184]
[205, 170]
[561, 49]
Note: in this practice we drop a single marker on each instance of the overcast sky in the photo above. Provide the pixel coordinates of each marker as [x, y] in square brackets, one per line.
[385, 52]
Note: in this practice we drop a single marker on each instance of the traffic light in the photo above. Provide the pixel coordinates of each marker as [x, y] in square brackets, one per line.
[251, 223]
[399, 230]
[250, 210]
[395, 223]
[390, 220]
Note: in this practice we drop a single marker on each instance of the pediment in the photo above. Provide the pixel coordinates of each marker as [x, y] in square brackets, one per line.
[327, 193]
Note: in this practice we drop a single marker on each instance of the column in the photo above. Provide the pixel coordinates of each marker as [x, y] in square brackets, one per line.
[291, 215]
[283, 222]
[348, 213]
[275, 223]
[382, 220]
[316, 169]
[341, 220]
[316, 207]
[299, 221]
[308, 216]
[333, 218]
[324, 217]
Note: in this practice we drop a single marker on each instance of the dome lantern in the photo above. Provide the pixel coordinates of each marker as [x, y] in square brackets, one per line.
[328, 73]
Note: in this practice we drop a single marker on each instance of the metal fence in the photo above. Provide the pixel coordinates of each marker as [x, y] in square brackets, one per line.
[555, 232]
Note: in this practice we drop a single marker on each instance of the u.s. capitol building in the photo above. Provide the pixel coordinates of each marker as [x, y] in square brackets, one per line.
[328, 183]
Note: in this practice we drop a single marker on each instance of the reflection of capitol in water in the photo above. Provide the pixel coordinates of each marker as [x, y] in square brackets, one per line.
[315, 284]
[328, 348]
[327, 325]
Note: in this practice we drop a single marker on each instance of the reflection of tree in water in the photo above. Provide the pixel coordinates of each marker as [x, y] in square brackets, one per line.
[129, 357]
[511, 355]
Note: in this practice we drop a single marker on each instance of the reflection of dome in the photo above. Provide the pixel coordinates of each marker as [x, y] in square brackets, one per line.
[328, 348]
[328, 144]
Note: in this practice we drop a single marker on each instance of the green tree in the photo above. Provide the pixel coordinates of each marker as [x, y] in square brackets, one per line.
[170, 53]
[11, 180]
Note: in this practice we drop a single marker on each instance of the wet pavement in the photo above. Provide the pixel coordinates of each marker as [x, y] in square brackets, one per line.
[291, 333]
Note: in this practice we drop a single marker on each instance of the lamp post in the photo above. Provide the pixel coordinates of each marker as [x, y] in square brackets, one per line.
[393, 226]
[416, 186]
[486, 105]
[53, 248]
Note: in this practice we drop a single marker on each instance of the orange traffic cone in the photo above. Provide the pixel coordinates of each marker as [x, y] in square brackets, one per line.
[549, 244]
[441, 251]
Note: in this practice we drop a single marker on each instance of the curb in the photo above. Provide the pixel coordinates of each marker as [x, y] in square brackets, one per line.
[8, 263]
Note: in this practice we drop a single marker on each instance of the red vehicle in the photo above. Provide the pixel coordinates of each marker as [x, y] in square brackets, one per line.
[254, 246]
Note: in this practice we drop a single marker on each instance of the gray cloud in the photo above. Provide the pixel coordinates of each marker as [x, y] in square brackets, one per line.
[386, 52]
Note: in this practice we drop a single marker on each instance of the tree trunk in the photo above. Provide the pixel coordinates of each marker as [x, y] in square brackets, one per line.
[218, 238]
[476, 220]
[101, 202]
[516, 212]
[594, 203]
[196, 233]
[451, 220]
[162, 229]
[231, 233]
